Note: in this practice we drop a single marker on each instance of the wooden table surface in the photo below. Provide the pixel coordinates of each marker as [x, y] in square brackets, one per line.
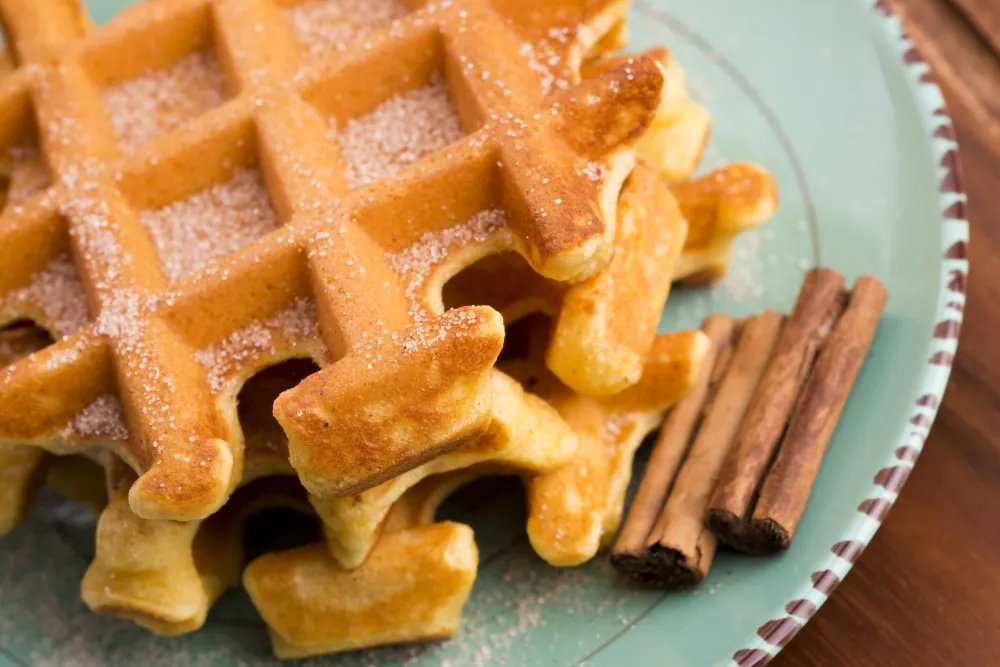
[926, 592]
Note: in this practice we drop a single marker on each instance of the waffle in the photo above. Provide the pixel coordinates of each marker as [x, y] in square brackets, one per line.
[575, 510]
[526, 437]
[720, 206]
[22, 469]
[165, 575]
[21, 473]
[604, 326]
[558, 37]
[242, 119]
[418, 574]
[361, 202]
[312, 606]
[162, 575]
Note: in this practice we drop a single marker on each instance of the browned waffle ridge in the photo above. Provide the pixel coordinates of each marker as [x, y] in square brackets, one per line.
[550, 165]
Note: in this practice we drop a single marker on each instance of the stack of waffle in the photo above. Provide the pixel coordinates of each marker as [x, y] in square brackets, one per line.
[262, 253]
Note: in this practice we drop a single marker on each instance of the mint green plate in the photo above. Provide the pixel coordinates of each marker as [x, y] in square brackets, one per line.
[836, 102]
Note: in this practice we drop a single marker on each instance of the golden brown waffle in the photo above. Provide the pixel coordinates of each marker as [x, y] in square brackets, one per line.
[413, 587]
[720, 206]
[417, 577]
[150, 571]
[559, 36]
[531, 439]
[677, 138]
[526, 437]
[604, 326]
[22, 469]
[313, 605]
[21, 472]
[358, 203]
[575, 510]
[165, 575]
[218, 108]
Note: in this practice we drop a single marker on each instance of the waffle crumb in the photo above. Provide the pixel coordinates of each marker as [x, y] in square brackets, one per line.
[322, 25]
[191, 233]
[56, 291]
[158, 101]
[29, 174]
[100, 419]
[296, 324]
[398, 132]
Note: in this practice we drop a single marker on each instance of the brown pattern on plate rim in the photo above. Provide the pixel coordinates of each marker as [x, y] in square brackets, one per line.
[890, 479]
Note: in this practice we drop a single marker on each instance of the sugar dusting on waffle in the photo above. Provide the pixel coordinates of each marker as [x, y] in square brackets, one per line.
[57, 292]
[321, 25]
[296, 324]
[96, 235]
[398, 132]
[123, 317]
[546, 61]
[594, 171]
[158, 101]
[100, 419]
[192, 232]
[415, 263]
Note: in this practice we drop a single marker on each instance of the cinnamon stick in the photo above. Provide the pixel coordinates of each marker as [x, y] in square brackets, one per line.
[680, 548]
[629, 553]
[820, 303]
[786, 491]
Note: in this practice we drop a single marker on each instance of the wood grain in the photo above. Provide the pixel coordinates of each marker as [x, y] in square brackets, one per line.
[965, 65]
[985, 16]
[925, 592]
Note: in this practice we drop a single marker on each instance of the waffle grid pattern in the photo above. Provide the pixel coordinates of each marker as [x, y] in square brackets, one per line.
[332, 242]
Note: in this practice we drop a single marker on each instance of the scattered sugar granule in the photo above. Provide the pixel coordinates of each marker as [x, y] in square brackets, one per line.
[454, 322]
[58, 293]
[397, 133]
[296, 324]
[29, 174]
[100, 419]
[594, 171]
[322, 25]
[546, 62]
[210, 224]
[415, 263]
[95, 233]
[745, 281]
[123, 317]
[160, 100]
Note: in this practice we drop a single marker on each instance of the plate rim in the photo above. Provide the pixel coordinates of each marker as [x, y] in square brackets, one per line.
[769, 637]
[774, 633]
